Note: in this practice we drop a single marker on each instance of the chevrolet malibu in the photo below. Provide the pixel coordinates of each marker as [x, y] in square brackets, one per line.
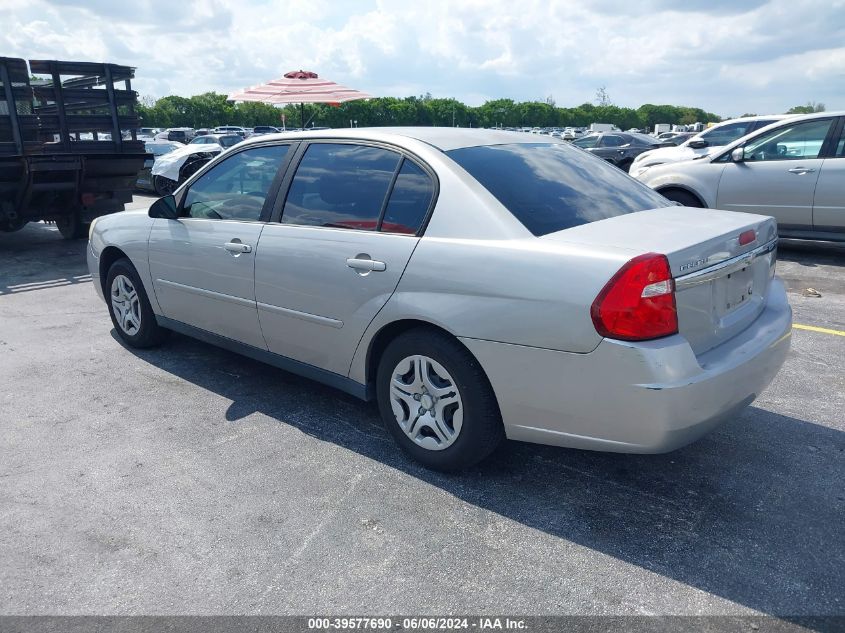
[479, 285]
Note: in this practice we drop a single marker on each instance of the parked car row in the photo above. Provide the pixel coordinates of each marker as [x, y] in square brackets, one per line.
[705, 142]
[618, 148]
[187, 134]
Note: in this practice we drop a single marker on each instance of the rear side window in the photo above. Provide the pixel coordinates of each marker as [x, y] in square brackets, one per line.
[612, 141]
[551, 187]
[840, 146]
[340, 186]
[409, 200]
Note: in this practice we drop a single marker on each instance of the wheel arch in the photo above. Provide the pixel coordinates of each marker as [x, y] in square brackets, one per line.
[685, 189]
[389, 332]
[109, 256]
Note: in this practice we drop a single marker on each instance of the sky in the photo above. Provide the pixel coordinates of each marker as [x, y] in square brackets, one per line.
[727, 56]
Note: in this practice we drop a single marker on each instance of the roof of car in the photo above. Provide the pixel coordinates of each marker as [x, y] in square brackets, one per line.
[443, 138]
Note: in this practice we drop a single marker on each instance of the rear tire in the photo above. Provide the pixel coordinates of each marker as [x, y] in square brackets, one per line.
[625, 165]
[129, 307]
[71, 226]
[436, 402]
[684, 197]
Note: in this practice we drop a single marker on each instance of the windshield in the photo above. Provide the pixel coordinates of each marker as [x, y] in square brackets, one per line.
[549, 187]
[228, 141]
[160, 149]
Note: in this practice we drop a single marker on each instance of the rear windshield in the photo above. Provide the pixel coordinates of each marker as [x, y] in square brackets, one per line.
[550, 187]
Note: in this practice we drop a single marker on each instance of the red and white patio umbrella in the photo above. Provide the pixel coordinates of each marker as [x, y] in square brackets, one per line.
[299, 86]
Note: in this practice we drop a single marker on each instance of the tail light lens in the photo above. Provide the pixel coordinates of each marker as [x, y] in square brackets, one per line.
[638, 303]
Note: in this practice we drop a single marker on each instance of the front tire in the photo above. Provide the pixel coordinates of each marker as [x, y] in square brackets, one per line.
[129, 307]
[436, 401]
[684, 197]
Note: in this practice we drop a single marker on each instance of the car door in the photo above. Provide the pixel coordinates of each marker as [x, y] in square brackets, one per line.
[609, 146]
[349, 224]
[202, 264]
[778, 173]
[829, 201]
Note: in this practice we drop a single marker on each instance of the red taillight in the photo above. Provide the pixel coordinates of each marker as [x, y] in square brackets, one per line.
[638, 303]
[746, 237]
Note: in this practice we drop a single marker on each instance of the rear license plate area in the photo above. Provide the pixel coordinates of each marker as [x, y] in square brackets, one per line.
[733, 291]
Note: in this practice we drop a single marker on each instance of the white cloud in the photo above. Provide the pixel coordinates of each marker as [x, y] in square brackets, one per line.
[727, 56]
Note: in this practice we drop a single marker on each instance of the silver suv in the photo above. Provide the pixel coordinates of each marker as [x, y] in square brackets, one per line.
[793, 170]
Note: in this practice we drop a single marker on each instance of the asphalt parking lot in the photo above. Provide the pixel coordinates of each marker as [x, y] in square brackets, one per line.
[189, 480]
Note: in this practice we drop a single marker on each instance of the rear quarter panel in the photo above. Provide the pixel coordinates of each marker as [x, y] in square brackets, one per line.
[522, 291]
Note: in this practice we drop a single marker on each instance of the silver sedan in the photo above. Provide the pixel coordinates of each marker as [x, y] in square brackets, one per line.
[478, 284]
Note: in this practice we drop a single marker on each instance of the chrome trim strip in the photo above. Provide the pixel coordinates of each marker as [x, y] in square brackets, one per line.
[305, 316]
[206, 293]
[724, 268]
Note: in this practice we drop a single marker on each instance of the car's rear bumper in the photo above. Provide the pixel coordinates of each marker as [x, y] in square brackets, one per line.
[648, 397]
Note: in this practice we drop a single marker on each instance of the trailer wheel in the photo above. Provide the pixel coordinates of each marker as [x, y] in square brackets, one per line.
[71, 226]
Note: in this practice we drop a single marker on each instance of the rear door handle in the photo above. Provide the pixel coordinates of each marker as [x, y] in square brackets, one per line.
[237, 247]
[357, 263]
[801, 170]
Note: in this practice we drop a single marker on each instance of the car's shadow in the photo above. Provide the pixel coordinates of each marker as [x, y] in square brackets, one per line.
[37, 257]
[753, 513]
[812, 253]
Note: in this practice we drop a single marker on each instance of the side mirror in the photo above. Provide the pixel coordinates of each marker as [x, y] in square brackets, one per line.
[698, 144]
[164, 208]
[738, 155]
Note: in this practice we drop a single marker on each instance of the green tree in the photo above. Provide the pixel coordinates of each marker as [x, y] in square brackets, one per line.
[811, 107]
[211, 109]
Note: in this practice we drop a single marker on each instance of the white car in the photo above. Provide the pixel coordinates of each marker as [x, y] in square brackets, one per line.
[232, 129]
[793, 170]
[706, 142]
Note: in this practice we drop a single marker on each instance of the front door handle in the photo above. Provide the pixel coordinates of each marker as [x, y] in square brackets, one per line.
[237, 247]
[801, 170]
[368, 265]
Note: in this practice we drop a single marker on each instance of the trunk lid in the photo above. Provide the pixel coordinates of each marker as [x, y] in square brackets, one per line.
[721, 285]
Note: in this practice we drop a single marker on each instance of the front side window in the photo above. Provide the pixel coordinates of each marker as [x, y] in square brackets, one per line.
[236, 188]
[796, 141]
[551, 187]
[340, 186]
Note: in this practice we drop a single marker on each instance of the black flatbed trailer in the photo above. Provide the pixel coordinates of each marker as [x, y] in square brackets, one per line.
[68, 146]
